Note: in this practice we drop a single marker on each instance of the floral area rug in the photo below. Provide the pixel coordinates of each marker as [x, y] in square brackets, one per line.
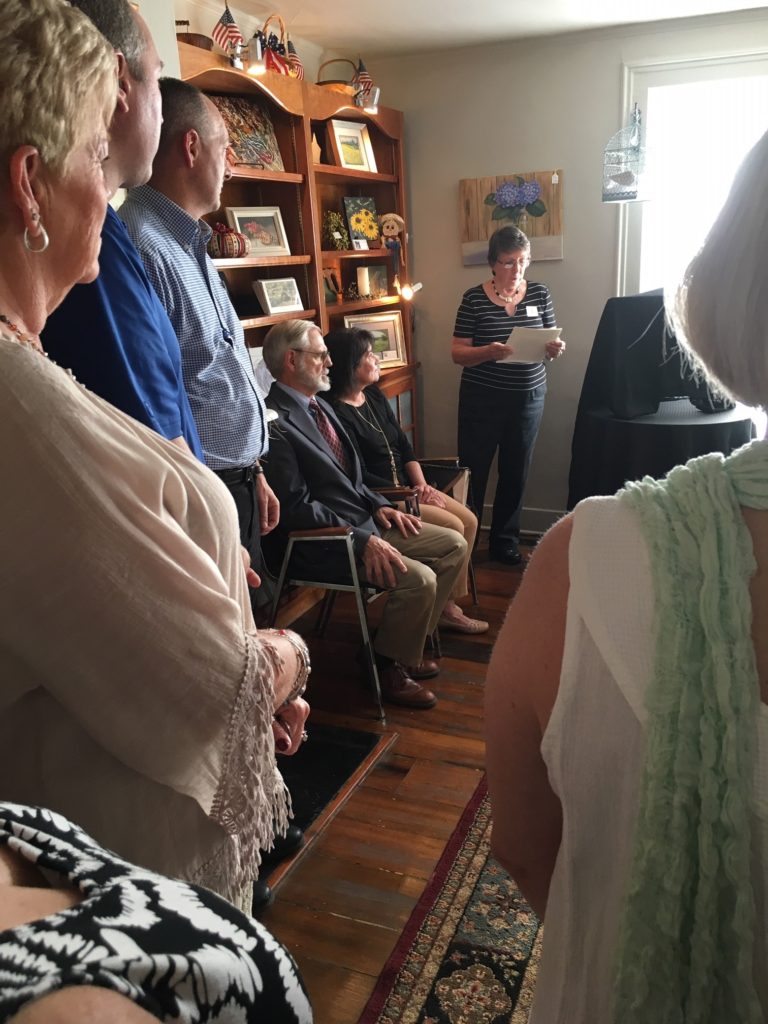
[470, 950]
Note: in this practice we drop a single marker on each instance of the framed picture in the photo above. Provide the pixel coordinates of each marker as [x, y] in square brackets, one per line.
[362, 221]
[252, 138]
[263, 225]
[351, 147]
[278, 295]
[387, 331]
[359, 243]
[379, 280]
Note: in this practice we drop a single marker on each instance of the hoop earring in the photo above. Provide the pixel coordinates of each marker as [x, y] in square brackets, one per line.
[44, 239]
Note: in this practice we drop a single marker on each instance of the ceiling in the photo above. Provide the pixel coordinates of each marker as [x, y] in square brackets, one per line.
[414, 26]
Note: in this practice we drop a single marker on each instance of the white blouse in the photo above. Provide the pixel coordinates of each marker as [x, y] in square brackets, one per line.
[594, 751]
[135, 693]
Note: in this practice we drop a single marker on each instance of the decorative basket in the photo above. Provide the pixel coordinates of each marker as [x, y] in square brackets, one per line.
[338, 84]
[275, 47]
[226, 243]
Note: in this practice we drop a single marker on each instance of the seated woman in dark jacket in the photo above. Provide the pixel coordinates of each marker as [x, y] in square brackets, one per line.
[385, 452]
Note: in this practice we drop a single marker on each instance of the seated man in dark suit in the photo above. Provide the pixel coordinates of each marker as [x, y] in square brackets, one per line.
[316, 475]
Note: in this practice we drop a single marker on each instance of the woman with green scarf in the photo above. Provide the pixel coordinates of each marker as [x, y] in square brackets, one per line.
[626, 712]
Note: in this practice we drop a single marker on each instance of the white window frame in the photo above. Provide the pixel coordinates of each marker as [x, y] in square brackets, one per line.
[637, 77]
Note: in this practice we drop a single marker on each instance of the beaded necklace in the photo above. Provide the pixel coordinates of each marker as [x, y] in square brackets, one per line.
[507, 301]
[375, 425]
[27, 342]
[23, 338]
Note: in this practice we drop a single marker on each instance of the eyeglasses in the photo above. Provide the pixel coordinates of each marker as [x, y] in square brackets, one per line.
[321, 355]
[521, 261]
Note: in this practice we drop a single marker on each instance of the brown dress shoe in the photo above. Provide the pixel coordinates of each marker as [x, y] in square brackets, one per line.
[426, 669]
[397, 687]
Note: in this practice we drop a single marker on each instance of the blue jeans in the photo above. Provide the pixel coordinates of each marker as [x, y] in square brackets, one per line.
[507, 422]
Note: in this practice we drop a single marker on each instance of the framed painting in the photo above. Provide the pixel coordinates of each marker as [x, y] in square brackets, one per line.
[263, 226]
[529, 200]
[387, 331]
[362, 220]
[278, 295]
[252, 138]
[350, 145]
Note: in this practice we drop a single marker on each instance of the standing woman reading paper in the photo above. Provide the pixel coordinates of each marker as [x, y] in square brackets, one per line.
[501, 404]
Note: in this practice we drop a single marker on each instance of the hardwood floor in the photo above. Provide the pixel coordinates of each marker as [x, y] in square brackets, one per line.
[342, 905]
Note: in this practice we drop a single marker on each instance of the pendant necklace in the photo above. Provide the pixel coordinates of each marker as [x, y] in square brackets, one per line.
[375, 425]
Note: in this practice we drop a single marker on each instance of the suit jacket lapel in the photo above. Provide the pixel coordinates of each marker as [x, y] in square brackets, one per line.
[301, 419]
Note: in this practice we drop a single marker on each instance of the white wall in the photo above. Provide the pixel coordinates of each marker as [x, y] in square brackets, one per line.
[533, 105]
[159, 16]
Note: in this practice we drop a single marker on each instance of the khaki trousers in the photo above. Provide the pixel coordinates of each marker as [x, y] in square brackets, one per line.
[434, 559]
[459, 517]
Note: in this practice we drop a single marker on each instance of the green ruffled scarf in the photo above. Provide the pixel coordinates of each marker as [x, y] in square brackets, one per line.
[687, 938]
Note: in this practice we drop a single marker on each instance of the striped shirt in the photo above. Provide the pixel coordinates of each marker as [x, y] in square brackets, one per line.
[218, 375]
[483, 322]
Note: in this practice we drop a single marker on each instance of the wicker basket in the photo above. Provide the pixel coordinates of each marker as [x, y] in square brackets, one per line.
[338, 84]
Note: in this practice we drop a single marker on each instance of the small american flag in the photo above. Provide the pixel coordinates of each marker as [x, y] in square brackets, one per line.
[361, 77]
[225, 32]
[295, 67]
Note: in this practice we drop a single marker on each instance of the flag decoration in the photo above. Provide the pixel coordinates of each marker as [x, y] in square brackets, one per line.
[225, 33]
[361, 77]
[295, 67]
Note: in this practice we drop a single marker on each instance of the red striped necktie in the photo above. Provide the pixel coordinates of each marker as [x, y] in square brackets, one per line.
[329, 433]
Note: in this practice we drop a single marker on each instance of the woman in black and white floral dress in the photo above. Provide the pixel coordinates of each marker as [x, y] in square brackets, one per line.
[73, 914]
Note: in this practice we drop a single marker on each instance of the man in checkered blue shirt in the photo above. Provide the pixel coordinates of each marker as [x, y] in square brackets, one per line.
[163, 219]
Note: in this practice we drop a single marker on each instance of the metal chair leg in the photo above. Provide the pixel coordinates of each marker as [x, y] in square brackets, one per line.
[367, 645]
[280, 583]
[434, 643]
[326, 607]
[472, 583]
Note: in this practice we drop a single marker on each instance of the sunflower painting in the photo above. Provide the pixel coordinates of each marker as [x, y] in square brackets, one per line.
[361, 218]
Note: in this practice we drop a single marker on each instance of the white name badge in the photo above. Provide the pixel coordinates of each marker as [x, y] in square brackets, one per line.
[531, 311]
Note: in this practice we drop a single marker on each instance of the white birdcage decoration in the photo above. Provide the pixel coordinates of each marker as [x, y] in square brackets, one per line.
[624, 162]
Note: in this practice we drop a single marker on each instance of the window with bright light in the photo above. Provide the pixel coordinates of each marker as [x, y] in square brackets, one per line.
[700, 121]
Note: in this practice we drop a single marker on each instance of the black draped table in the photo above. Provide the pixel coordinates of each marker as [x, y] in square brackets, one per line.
[617, 450]
[632, 421]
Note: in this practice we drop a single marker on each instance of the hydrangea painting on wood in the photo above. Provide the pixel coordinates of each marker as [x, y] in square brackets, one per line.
[531, 201]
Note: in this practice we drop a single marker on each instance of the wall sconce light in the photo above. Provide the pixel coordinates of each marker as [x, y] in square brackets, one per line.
[256, 65]
[407, 291]
[368, 99]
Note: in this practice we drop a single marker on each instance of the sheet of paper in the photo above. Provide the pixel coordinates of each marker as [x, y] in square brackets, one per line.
[528, 343]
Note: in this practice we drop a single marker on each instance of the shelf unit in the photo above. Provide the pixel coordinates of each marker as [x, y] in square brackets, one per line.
[304, 191]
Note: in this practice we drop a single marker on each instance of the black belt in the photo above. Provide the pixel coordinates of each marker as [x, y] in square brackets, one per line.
[235, 476]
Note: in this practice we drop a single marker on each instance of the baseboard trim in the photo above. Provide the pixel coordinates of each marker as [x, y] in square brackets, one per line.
[534, 521]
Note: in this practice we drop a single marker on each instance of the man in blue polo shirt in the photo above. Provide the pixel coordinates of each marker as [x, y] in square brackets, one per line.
[163, 220]
[114, 334]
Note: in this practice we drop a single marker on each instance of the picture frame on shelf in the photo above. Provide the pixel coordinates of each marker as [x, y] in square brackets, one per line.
[387, 331]
[350, 145]
[359, 243]
[262, 226]
[362, 220]
[252, 140]
[379, 279]
[278, 295]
